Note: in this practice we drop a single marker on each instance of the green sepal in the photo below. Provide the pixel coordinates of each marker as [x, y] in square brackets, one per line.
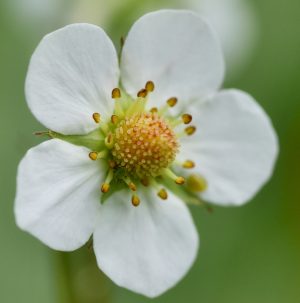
[93, 140]
[184, 194]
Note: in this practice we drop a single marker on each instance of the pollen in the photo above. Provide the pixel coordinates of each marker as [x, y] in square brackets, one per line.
[142, 93]
[172, 101]
[186, 118]
[144, 145]
[179, 180]
[149, 86]
[105, 187]
[188, 164]
[96, 117]
[116, 93]
[162, 194]
[135, 200]
[114, 119]
[93, 156]
[190, 130]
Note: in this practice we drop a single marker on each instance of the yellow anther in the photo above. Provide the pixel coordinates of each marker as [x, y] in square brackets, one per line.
[188, 164]
[96, 117]
[179, 180]
[105, 187]
[116, 93]
[97, 155]
[109, 138]
[154, 110]
[172, 101]
[142, 93]
[145, 181]
[186, 118]
[135, 200]
[132, 186]
[163, 194]
[109, 141]
[114, 119]
[190, 130]
[196, 183]
[129, 183]
[149, 86]
[93, 156]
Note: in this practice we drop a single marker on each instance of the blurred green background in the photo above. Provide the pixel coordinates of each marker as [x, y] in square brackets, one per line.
[248, 254]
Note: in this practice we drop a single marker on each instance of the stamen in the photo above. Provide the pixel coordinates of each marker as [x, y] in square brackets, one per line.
[142, 93]
[135, 200]
[93, 156]
[172, 101]
[190, 130]
[149, 86]
[196, 183]
[105, 186]
[186, 118]
[188, 164]
[163, 194]
[177, 179]
[145, 181]
[175, 123]
[116, 93]
[130, 184]
[114, 119]
[96, 117]
[109, 141]
[97, 155]
[154, 110]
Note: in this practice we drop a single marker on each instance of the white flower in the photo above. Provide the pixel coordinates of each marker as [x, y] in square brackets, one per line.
[106, 136]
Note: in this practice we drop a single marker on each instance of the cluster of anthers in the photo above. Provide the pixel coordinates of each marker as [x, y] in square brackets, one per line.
[141, 145]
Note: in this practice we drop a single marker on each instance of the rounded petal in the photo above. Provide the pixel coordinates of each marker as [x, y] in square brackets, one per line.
[235, 147]
[71, 75]
[175, 49]
[237, 25]
[148, 248]
[58, 195]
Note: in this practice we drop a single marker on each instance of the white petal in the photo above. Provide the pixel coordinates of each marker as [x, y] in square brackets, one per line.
[234, 147]
[71, 75]
[58, 195]
[236, 24]
[175, 49]
[146, 249]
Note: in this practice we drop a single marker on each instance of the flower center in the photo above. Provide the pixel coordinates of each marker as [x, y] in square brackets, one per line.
[140, 146]
[144, 145]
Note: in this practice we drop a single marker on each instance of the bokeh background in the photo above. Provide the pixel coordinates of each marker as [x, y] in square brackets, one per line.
[248, 254]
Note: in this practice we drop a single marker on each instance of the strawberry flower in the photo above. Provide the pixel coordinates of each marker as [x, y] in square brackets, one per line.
[132, 142]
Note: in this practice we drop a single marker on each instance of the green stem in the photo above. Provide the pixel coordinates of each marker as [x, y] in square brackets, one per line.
[63, 279]
[79, 279]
